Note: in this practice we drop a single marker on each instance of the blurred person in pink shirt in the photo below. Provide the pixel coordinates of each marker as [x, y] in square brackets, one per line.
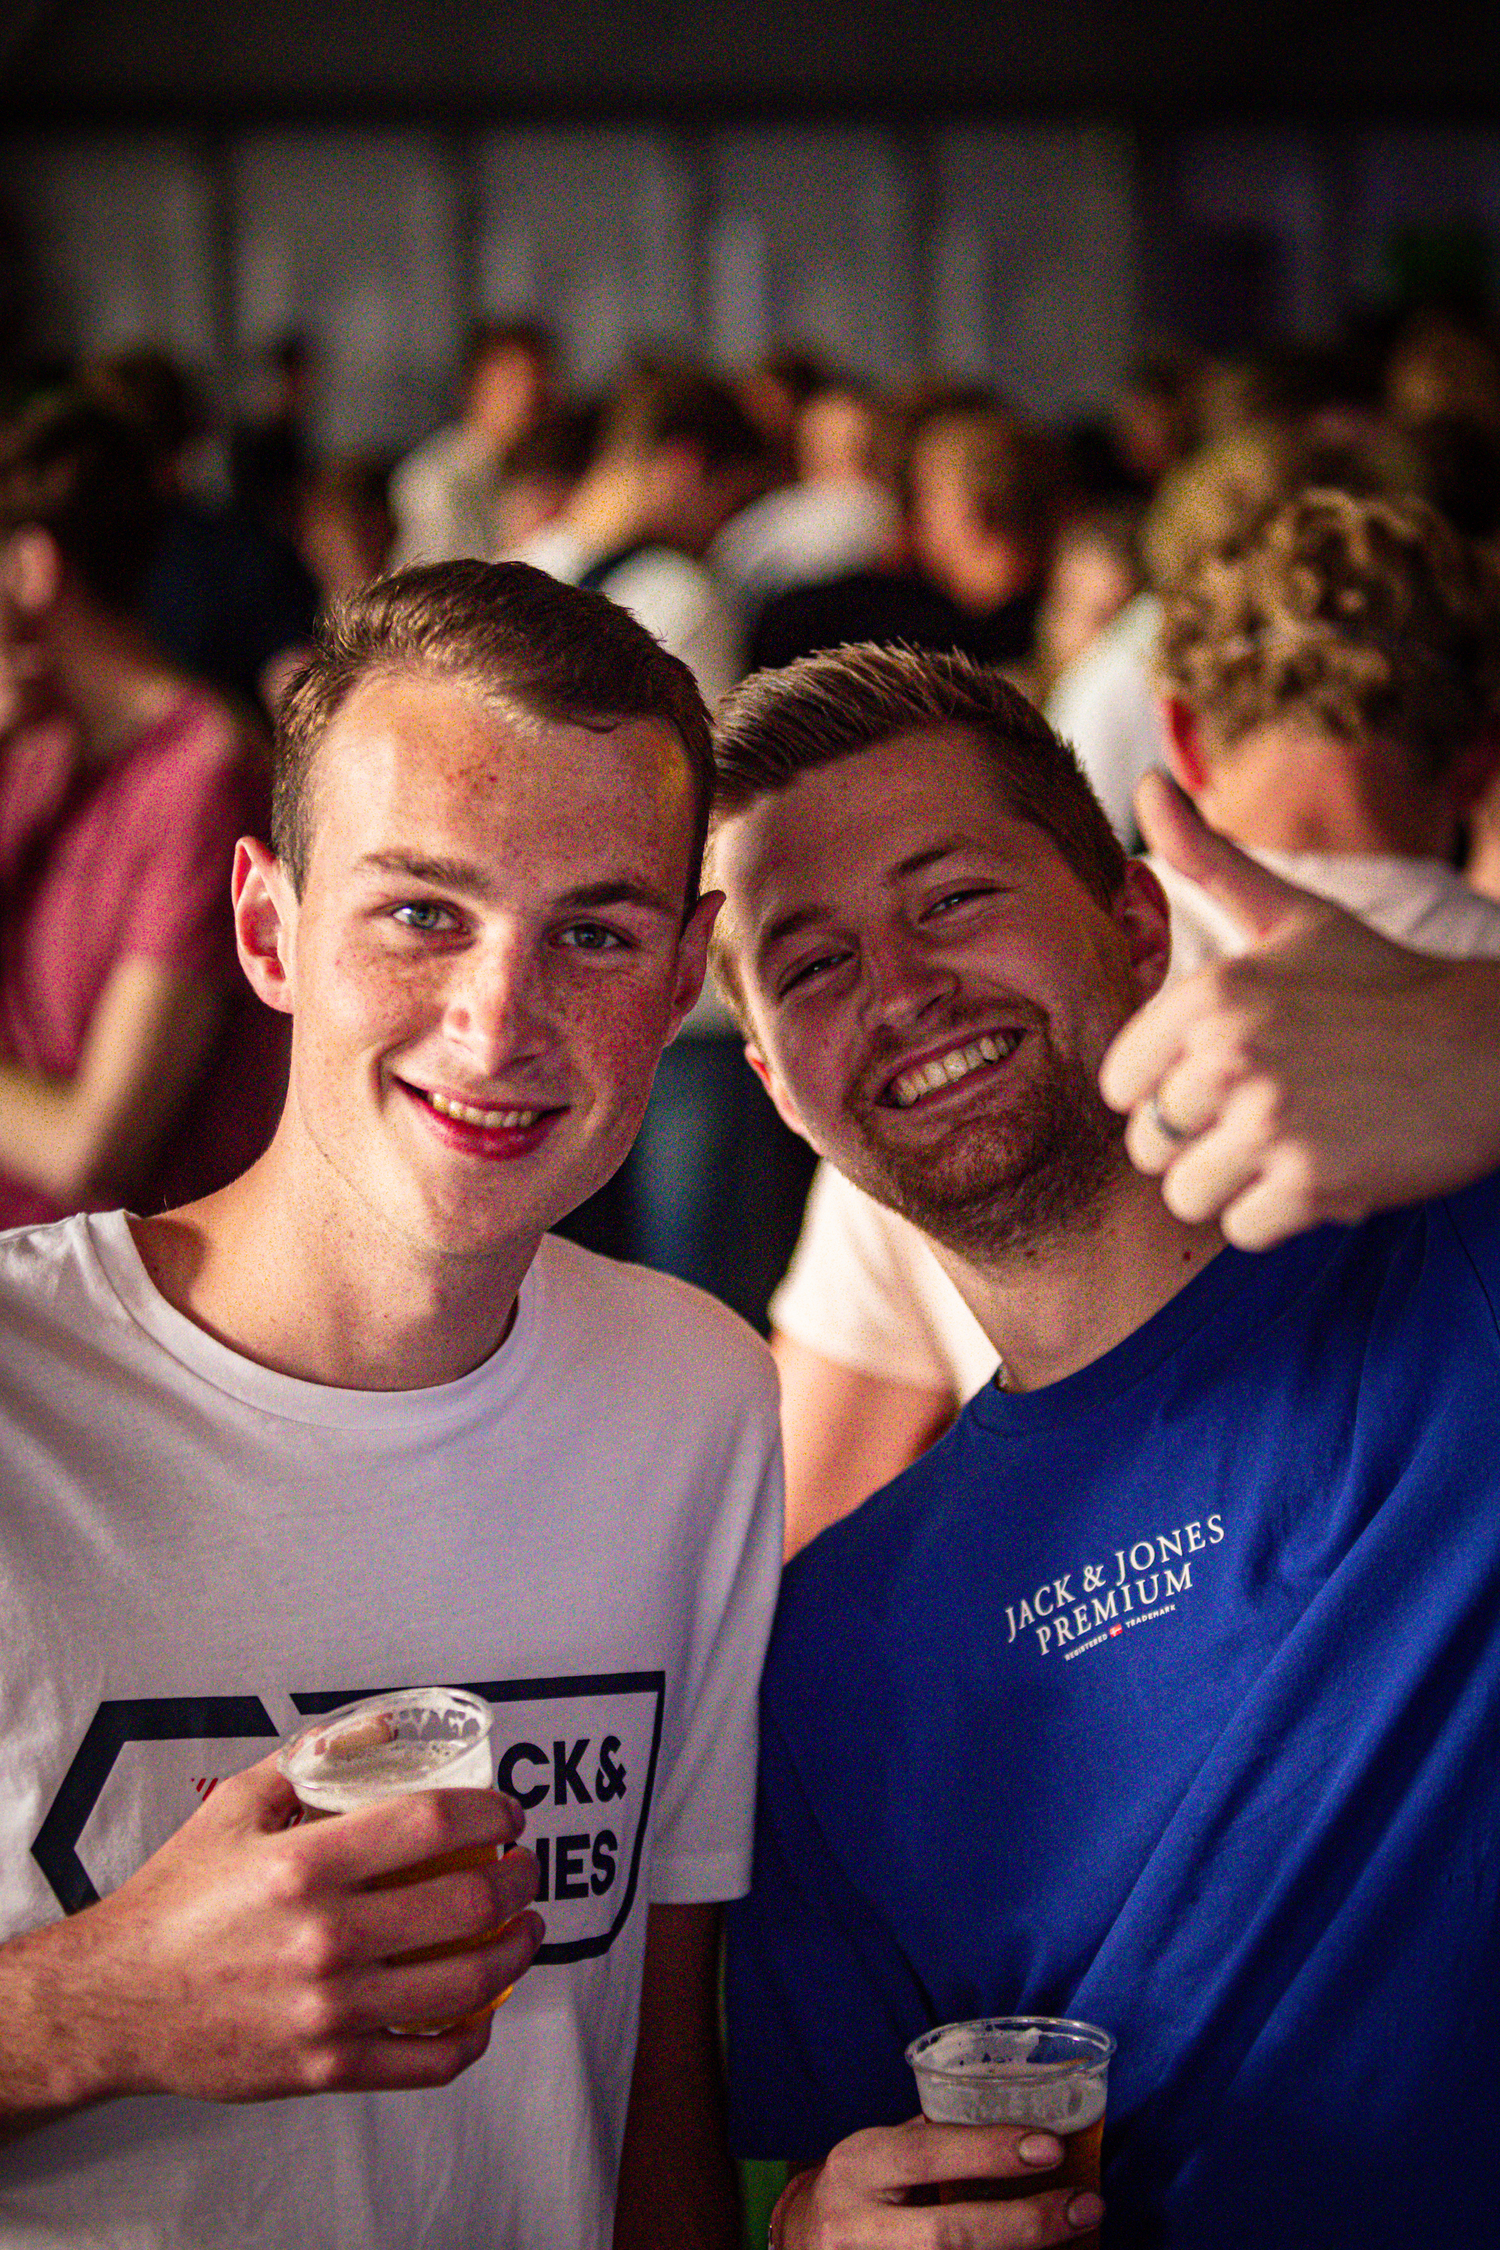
[134, 1061]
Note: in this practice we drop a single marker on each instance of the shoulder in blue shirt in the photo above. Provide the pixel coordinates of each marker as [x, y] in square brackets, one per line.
[1166, 1697]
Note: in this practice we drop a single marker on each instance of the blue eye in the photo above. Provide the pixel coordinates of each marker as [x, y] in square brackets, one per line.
[422, 914]
[591, 937]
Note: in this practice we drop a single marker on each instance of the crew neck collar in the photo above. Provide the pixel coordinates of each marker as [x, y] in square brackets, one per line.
[109, 1244]
[1236, 1288]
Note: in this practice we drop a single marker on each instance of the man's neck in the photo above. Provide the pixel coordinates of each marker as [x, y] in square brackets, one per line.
[337, 1300]
[1053, 1307]
[1288, 788]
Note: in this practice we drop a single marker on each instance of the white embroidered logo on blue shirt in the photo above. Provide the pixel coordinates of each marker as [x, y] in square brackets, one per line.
[1097, 1602]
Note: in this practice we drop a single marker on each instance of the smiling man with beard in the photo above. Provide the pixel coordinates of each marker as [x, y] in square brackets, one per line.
[932, 935]
[1155, 1693]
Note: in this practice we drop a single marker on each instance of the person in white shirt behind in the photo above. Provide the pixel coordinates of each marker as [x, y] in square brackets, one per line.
[1331, 677]
[1095, 574]
[677, 455]
[446, 495]
[837, 515]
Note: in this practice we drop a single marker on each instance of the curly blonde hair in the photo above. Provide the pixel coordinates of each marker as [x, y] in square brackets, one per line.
[1368, 619]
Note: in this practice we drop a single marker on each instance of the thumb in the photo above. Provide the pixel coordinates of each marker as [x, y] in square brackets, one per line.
[1175, 829]
[258, 1799]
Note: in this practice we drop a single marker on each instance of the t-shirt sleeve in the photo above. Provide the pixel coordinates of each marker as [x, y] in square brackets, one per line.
[820, 2005]
[713, 648]
[865, 1290]
[701, 1848]
[1106, 706]
[186, 825]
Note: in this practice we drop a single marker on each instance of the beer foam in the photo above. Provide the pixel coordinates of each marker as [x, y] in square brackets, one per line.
[332, 1777]
[1008, 2071]
[1016, 2093]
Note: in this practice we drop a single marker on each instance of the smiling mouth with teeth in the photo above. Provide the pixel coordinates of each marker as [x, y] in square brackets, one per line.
[466, 1113]
[946, 1070]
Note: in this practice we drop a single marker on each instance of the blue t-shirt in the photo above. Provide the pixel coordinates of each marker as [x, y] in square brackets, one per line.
[1166, 1697]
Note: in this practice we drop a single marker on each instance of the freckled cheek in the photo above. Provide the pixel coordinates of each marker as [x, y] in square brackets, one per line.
[365, 1000]
[617, 1035]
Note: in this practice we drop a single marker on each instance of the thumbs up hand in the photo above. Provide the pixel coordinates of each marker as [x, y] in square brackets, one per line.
[1323, 1074]
[1172, 825]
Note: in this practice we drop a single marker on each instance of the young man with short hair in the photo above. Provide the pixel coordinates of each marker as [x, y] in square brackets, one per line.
[1161, 1693]
[1331, 672]
[358, 1421]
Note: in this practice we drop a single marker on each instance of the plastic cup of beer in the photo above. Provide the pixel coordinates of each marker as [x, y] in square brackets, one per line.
[391, 1746]
[1044, 2072]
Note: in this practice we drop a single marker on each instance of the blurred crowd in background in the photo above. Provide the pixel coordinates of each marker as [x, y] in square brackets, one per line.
[164, 567]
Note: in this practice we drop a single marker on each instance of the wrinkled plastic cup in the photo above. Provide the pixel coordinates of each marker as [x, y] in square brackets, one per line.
[1047, 2073]
[391, 1746]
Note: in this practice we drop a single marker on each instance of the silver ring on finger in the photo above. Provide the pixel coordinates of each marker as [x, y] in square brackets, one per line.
[1164, 1125]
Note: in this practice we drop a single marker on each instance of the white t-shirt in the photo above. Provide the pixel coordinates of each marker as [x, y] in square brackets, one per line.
[444, 500]
[804, 532]
[1418, 902]
[864, 1287]
[1108, 706]
[679, 601]
[196, 1551]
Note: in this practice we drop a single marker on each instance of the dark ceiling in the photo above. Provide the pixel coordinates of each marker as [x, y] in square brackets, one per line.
[1165, 61]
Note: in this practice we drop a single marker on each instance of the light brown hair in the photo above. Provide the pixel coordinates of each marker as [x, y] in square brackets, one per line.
[560, 653]
[1368, 619]
[782, 724]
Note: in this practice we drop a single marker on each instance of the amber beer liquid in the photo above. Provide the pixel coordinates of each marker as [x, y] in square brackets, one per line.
[1079, 2169]
[1046, 2073]
[391, 1746]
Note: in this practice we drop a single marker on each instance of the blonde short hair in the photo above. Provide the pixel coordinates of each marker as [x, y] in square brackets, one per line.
[1368, 619]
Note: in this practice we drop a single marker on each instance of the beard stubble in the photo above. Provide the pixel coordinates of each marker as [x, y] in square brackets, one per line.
[999, 1185]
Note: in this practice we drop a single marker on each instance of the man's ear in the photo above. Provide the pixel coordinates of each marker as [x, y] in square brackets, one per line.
[265, 922]
[1145, 921]
[1184, 746]
[31, 570]
[692, 956]
[785, 1107]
